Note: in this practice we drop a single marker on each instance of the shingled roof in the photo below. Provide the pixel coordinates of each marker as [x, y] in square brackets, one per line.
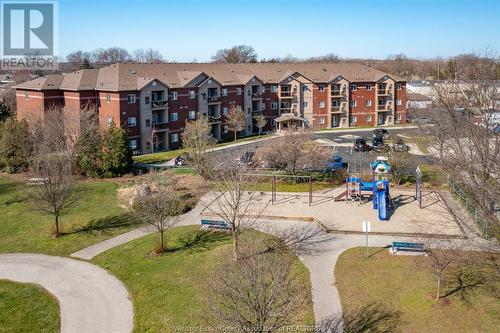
[133, 76]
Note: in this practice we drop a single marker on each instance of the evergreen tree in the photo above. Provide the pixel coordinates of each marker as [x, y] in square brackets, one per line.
[5, 111]
[116, 155]
[88, 151]
[15, 145]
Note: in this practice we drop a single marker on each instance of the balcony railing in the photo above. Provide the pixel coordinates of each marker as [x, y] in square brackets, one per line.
[286, 110]
[286, 94]
[214, 117]
[213, 99]
[256, 95]
[382, 92]
[384, 107]
[159, 104]
[337, 93]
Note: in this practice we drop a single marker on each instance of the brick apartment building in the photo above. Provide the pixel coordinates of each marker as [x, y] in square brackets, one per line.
[154, 101]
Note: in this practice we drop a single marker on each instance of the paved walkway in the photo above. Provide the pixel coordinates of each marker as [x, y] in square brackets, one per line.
[91, 300]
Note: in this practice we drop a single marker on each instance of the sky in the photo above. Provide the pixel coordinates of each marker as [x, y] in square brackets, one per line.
[188, 30]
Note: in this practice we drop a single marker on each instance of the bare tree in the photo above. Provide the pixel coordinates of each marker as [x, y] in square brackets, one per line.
[153, 140]
[260, 122]
[110, 55]
[466, 142]
[400, 162]
[160, 206]
[235, 120]
[236, 54]
[197, 140]
[147, 55]
[78, 57]
[259, 293]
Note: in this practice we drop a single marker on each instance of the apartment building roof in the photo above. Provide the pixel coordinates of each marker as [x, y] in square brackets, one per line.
[134, 76]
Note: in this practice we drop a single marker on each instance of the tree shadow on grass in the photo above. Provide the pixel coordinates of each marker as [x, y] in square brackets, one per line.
[373, 318]
[10, 190]
[106, 223]
[200, 240]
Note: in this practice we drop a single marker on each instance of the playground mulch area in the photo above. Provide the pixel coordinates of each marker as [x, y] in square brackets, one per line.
[406, 218]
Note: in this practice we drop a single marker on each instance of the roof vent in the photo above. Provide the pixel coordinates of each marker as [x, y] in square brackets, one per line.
[324, 70]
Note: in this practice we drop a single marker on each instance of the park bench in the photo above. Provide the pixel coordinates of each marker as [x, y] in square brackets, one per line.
[214, 225]
[408, 248]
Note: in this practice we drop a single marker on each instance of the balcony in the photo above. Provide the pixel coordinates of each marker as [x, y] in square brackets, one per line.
[335, 109]
[256, 95]
[159, 104]
[214, 117]
[383, 92]
[285, 110]
[286, 94]
[157, 126]
[385, 107]
[213, 99]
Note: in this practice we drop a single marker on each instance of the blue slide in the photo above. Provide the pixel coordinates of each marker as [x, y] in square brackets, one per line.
[382, 204]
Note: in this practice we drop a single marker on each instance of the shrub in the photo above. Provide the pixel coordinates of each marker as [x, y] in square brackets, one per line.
[15, 145]
[116, 155]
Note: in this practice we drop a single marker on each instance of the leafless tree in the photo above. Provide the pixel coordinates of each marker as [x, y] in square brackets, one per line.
[160, 206]
[235, 120]
[153, 140]
[466, 142]
[259, 293]
[110, 55]
[236, 54]
[147, 55]
[399, 161]
[78, 57]
[197, 141]
[260, 122]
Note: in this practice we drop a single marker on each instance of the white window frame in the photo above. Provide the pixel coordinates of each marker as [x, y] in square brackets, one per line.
[174, 116]
[131, 98]
[321, 88]
[238, 91]
[354, 87]
[369, 118]
[109, 121]
[274, 88]
[191, 115]
[192, 94]
[398, 101]
[107, 98]
[321, 104]
[398, 117]
[132, 121]
[224, 92]
[174, 137]
[368, 102]
[274, 105]
[354, 119]
[305, 104]
[225, 110]
[134, 145]
[173, 95]
[354, 103]
[368, 87]
[321, 120]
[225, 129]
[399, 86]
[335, 103]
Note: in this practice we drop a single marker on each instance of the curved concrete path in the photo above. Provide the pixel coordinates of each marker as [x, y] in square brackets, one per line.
[91, 300]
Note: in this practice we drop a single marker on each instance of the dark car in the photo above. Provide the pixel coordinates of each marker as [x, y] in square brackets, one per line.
[378, 144]
[182, 160]
[380, 133]
[361, 145]
[335, 163]
[246, 158]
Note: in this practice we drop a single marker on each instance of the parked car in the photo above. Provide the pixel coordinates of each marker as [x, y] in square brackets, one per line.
[400, 146]
[380, 133]
[246, 158]
[182, 160]
[335, 163]
[378, 144]
[361, 145]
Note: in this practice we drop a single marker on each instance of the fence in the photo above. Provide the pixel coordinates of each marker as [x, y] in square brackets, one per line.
[457, 190]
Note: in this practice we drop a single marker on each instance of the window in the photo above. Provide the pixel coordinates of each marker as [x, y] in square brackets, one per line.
[225, 110]
[225, 129]
[321, 120]
[368, 118]
[353, 103]
[399, 117]
[335, 103]
[274, 105]
[249, 92]
[192, 94]
[304, 104]
[109, 121]
[224, 91]
[108, 98]
[369, 87]
[148, 122]
[132, 144]
[398, 101]
[321, 104]
[274, 88]
[238, 91]
[354, 119]
[173, 95]
[399, 86]
[147, 100]
[131, 98]
[132, 121]
[174, 137]
[368, 102]
[321, 88]
[305, 88]
[26, 95]
[354, 87]
[191, 115]
[174, 116]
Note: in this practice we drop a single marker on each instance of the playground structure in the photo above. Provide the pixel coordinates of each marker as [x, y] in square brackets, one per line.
[379, 187]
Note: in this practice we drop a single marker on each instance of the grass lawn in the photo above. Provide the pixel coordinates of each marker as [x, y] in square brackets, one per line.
[98, 216]
[27, 308]
[406, 284]
[167, 291]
